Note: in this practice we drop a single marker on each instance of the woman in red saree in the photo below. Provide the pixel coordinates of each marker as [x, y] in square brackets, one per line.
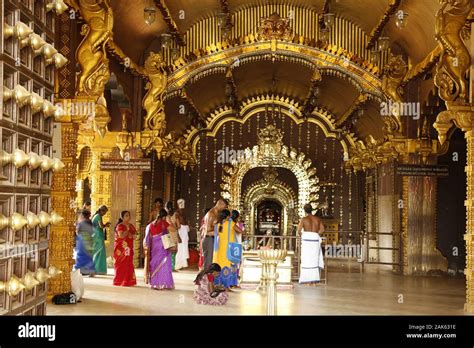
[123, 251]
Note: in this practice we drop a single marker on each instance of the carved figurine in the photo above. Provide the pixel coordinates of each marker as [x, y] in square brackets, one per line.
[394, 72]
[455, 59]
[153, 101]
[91, 54]
[275, 28]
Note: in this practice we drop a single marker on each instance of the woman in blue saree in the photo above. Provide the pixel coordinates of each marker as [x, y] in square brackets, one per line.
[98, 238]
[84, 248]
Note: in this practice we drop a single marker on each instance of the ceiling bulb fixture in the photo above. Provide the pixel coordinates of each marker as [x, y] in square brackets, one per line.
[328, 20]
[166, 40]
[229, 89]
[384, 43]
[401, 19]
[324, 35]
[317, 91]
[175, 53]
[374, 56]
[226, 31]
[149, 13]
[222, 19]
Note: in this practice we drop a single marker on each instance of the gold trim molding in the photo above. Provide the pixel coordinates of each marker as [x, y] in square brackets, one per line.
[225, 55]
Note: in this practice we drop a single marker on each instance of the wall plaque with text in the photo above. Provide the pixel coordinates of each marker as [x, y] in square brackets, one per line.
[141, 164]
[419, 170]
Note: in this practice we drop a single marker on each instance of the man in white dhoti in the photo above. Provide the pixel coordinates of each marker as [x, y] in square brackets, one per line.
[312, 260]
[182, 255]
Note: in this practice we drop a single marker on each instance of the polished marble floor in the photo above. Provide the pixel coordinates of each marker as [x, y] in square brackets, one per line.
[376, 292]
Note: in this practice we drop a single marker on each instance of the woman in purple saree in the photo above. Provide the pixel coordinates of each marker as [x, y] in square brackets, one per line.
[158, 270]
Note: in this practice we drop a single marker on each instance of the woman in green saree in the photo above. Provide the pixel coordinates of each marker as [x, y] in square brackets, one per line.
[98, 238]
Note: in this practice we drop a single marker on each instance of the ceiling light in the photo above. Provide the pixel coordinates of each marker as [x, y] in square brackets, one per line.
[226, 31]
[317, 91]
[222, 19]
[328, 20]
[324, 35]
[175, 53]
[384, 43]
[166, 40]
[149, 13]
[374, 56]
[401, 19]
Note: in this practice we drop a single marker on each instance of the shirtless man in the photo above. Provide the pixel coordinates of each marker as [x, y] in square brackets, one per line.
[310, 223]
[312, 260]
[157, 206]
[207, 234]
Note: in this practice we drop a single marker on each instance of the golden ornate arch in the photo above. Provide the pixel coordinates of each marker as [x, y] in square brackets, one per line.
[289, 107]
[271, 152]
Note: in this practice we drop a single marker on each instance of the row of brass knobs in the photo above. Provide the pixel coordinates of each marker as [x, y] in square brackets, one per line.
[26, 36]
[15, 285]
[19, 158]
[18, 221]
[23, 97]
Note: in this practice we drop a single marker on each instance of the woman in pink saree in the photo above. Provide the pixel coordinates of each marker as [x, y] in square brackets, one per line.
[158, 270]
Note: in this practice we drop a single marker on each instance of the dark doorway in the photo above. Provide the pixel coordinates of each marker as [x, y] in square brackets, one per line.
[269, 218]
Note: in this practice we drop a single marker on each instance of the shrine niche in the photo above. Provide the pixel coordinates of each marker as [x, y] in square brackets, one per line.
[270, 189]
[271, 152]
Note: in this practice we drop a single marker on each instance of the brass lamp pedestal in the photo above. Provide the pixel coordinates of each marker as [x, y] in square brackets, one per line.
[270, 259]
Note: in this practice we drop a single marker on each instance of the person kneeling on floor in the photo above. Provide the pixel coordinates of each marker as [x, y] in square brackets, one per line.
[206, 291]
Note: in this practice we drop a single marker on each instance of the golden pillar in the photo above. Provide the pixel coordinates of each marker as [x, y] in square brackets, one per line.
[420, 252]
[469, 236]
[101, 186]
[462, 116]
[63, 195]
[451, 70]
[138, 214]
